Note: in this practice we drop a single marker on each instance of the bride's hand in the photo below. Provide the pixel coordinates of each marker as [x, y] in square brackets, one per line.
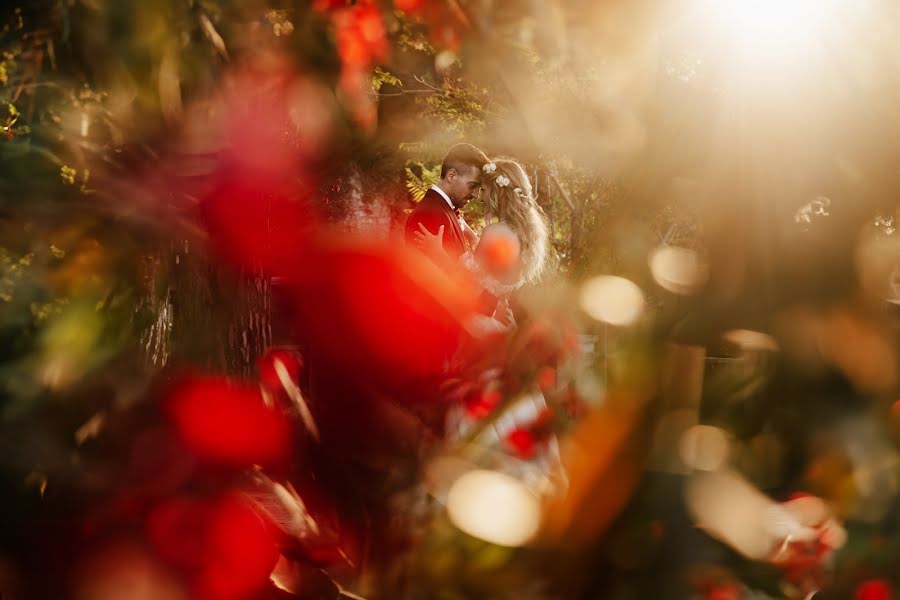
[504, 313]
[431, 243]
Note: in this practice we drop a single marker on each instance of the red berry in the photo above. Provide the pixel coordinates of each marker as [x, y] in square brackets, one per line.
[521, 441]
[483, 404]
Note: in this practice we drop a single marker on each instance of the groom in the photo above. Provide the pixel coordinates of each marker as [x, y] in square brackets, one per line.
[460, 182]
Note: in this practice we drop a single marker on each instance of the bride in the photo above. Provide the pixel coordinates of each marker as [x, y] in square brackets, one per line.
[512, 249]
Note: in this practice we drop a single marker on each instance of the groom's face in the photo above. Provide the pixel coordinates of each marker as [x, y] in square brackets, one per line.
[464, 184]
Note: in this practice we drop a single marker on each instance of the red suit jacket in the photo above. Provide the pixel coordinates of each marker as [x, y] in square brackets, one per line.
[433, 211]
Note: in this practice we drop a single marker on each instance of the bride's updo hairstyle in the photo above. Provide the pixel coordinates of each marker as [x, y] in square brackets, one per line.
[509, 198]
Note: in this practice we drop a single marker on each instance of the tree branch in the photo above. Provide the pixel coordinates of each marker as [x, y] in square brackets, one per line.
[421, 80]
[404, 93]
[562, 192]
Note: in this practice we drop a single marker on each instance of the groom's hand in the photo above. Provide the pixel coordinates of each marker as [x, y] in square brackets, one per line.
[429, 242]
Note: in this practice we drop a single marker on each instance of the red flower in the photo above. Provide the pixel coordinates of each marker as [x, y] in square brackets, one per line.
[483, 404]
[522, 442]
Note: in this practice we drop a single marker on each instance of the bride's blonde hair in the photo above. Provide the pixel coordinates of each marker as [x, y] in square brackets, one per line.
[514, 205]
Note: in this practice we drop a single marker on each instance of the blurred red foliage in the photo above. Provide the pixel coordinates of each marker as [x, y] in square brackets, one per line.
[240, 551]
[265, 365]
[384, 314]
[873, 589]
[228, 422]
[223, 545]
[176, 529]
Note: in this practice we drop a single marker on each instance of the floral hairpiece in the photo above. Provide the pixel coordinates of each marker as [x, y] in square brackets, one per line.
[502, 181]
[489, 168]
[518, 192]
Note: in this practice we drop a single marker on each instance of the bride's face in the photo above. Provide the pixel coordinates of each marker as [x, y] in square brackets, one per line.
[465, 185]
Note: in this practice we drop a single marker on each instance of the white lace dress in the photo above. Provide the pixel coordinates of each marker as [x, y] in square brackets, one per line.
[486, 324]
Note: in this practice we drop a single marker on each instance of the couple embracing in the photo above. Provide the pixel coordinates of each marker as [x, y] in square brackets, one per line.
[511, 249]
[510, 252]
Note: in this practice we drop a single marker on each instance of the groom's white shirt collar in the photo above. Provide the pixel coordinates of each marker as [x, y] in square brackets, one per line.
[444, 196]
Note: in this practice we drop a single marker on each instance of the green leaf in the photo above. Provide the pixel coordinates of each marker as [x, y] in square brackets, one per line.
[417, 185]
[381, 78]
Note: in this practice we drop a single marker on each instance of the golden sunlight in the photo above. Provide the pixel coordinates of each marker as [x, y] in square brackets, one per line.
[493, 507]
[782, 25]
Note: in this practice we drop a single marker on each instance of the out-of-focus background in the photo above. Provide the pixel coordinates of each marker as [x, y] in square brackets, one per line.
[222, 374]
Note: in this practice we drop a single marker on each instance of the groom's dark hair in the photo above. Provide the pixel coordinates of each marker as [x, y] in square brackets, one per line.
[462, 155]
